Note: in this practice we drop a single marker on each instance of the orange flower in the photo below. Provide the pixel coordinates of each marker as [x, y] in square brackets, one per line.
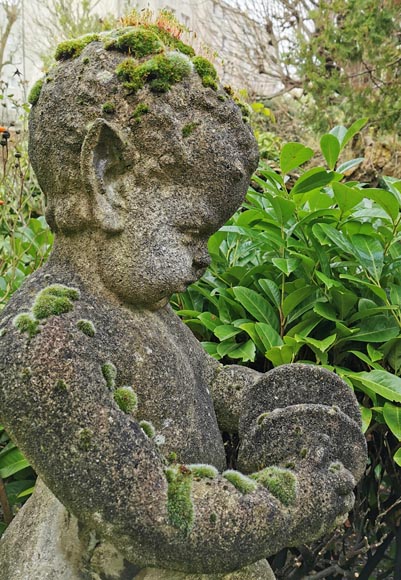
[2, 129]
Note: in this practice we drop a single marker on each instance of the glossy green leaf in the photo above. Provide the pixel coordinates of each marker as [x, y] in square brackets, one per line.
[346, 197]
[250, 329]
[293, 155]
[286, 265]
[397, 457]
[246, 352]
[385, 199]
[256, 305]
[268, 335]
[353, 130]
[383, 383]
[325, 311]
[271, 290]
[377, 329]
[209, 320]
[280, 355]
[312, 179]
[348, 165]
[370, 254]
[294, 299]
[392, 416]
[330, 147]
[225, 331]
[366, 414]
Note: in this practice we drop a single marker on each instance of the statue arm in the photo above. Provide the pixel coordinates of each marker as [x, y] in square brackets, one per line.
[55, 402]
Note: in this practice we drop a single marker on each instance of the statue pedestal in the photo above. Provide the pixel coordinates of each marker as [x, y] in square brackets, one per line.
[43, 543]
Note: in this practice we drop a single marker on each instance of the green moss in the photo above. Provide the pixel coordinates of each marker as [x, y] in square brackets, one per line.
[179, 503]
[335, 467]
[161, 72]
[206, 71]
[172, 457]
[108, 108]
[60, 385]
[126, 399]
[261, 418]
[228, 90]
[140, 109]
[147, 428]
[85, 60]
[138, 42]
[243, 483]
[221, 98]
[203, 470]
[73, 48]
[281, 483]
[184, 48]
[87, 327]
[303, 453]
[54, 300]
[109, 372]
[85, 437]
[213, 518]
[35, 91]
[25, 322]
[188, 129]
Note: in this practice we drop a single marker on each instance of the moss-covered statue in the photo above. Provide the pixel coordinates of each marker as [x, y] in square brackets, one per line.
[142, 155]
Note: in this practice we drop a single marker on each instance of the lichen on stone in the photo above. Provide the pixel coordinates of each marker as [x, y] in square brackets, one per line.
[60, 385]
[73, 48]
[35, 91]
[109, 373]
[126, 399]
[261, 418]
[180, 508]
[147, 428]
[240, 481]
[27, 323]
[202, 470]
[281, 483]
[87, 327]
[54, 300]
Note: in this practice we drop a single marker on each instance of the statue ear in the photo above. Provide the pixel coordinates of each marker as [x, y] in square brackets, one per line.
[101, 165]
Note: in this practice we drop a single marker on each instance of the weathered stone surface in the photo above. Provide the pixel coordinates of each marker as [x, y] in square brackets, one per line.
[91, 349]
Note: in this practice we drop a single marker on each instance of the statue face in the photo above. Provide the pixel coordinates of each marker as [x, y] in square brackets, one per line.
[163, 246]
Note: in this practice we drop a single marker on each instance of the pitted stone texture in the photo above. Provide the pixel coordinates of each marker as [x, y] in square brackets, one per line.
[43, 543]
[289, 435]
[258, 571]
[294, 384]
[132, 205]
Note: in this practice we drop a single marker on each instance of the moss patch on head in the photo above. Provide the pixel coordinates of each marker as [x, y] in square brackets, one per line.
[202, 470]
[147, 428]
[140, 110]
[179, 503]
[60, 385]
[87, 327]
[159, 72]
[73, 48]
[126, 399]
[85, 437]
[281, 483]
[108, 108]
[138, 42]
[206, 71]
[109, 373]
[35, 91]
[243, 483]
[25, 322]
[188, 129]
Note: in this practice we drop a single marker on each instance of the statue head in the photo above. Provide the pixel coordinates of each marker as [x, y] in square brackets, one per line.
[136, 144]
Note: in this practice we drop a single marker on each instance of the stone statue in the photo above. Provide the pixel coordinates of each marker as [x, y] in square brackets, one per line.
[142, 155]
